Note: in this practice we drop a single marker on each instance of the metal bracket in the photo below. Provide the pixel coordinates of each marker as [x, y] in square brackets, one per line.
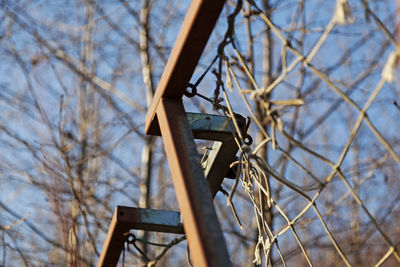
[214, 127]
[219, 129]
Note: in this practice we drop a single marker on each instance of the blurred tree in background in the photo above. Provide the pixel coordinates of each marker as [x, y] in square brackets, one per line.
[76, 78]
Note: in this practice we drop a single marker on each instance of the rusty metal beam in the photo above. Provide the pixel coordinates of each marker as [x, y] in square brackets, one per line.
[113, 244]
[204, 235]
[192, 38]
[127, 218]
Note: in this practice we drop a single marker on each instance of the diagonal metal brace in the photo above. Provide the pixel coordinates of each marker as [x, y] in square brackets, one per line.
[221, 130]
[218, 163]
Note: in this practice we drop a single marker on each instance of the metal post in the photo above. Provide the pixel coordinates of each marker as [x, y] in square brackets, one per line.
[206, 242]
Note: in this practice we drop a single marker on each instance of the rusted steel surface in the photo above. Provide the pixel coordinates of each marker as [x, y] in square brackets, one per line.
[192, 38]
[205, 238]
[113, 244]
[128, 218]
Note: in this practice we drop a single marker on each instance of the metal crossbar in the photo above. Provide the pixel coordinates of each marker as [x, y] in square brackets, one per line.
[127, 218]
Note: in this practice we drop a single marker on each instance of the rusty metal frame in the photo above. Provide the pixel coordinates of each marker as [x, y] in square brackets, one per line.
[217, 128]
[127, 218]
[167, 116]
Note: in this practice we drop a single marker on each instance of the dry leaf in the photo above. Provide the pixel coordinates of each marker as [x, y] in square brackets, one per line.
[289, 102]
[279, 124]
[343, 14]
[388, 72]
[228, 80]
